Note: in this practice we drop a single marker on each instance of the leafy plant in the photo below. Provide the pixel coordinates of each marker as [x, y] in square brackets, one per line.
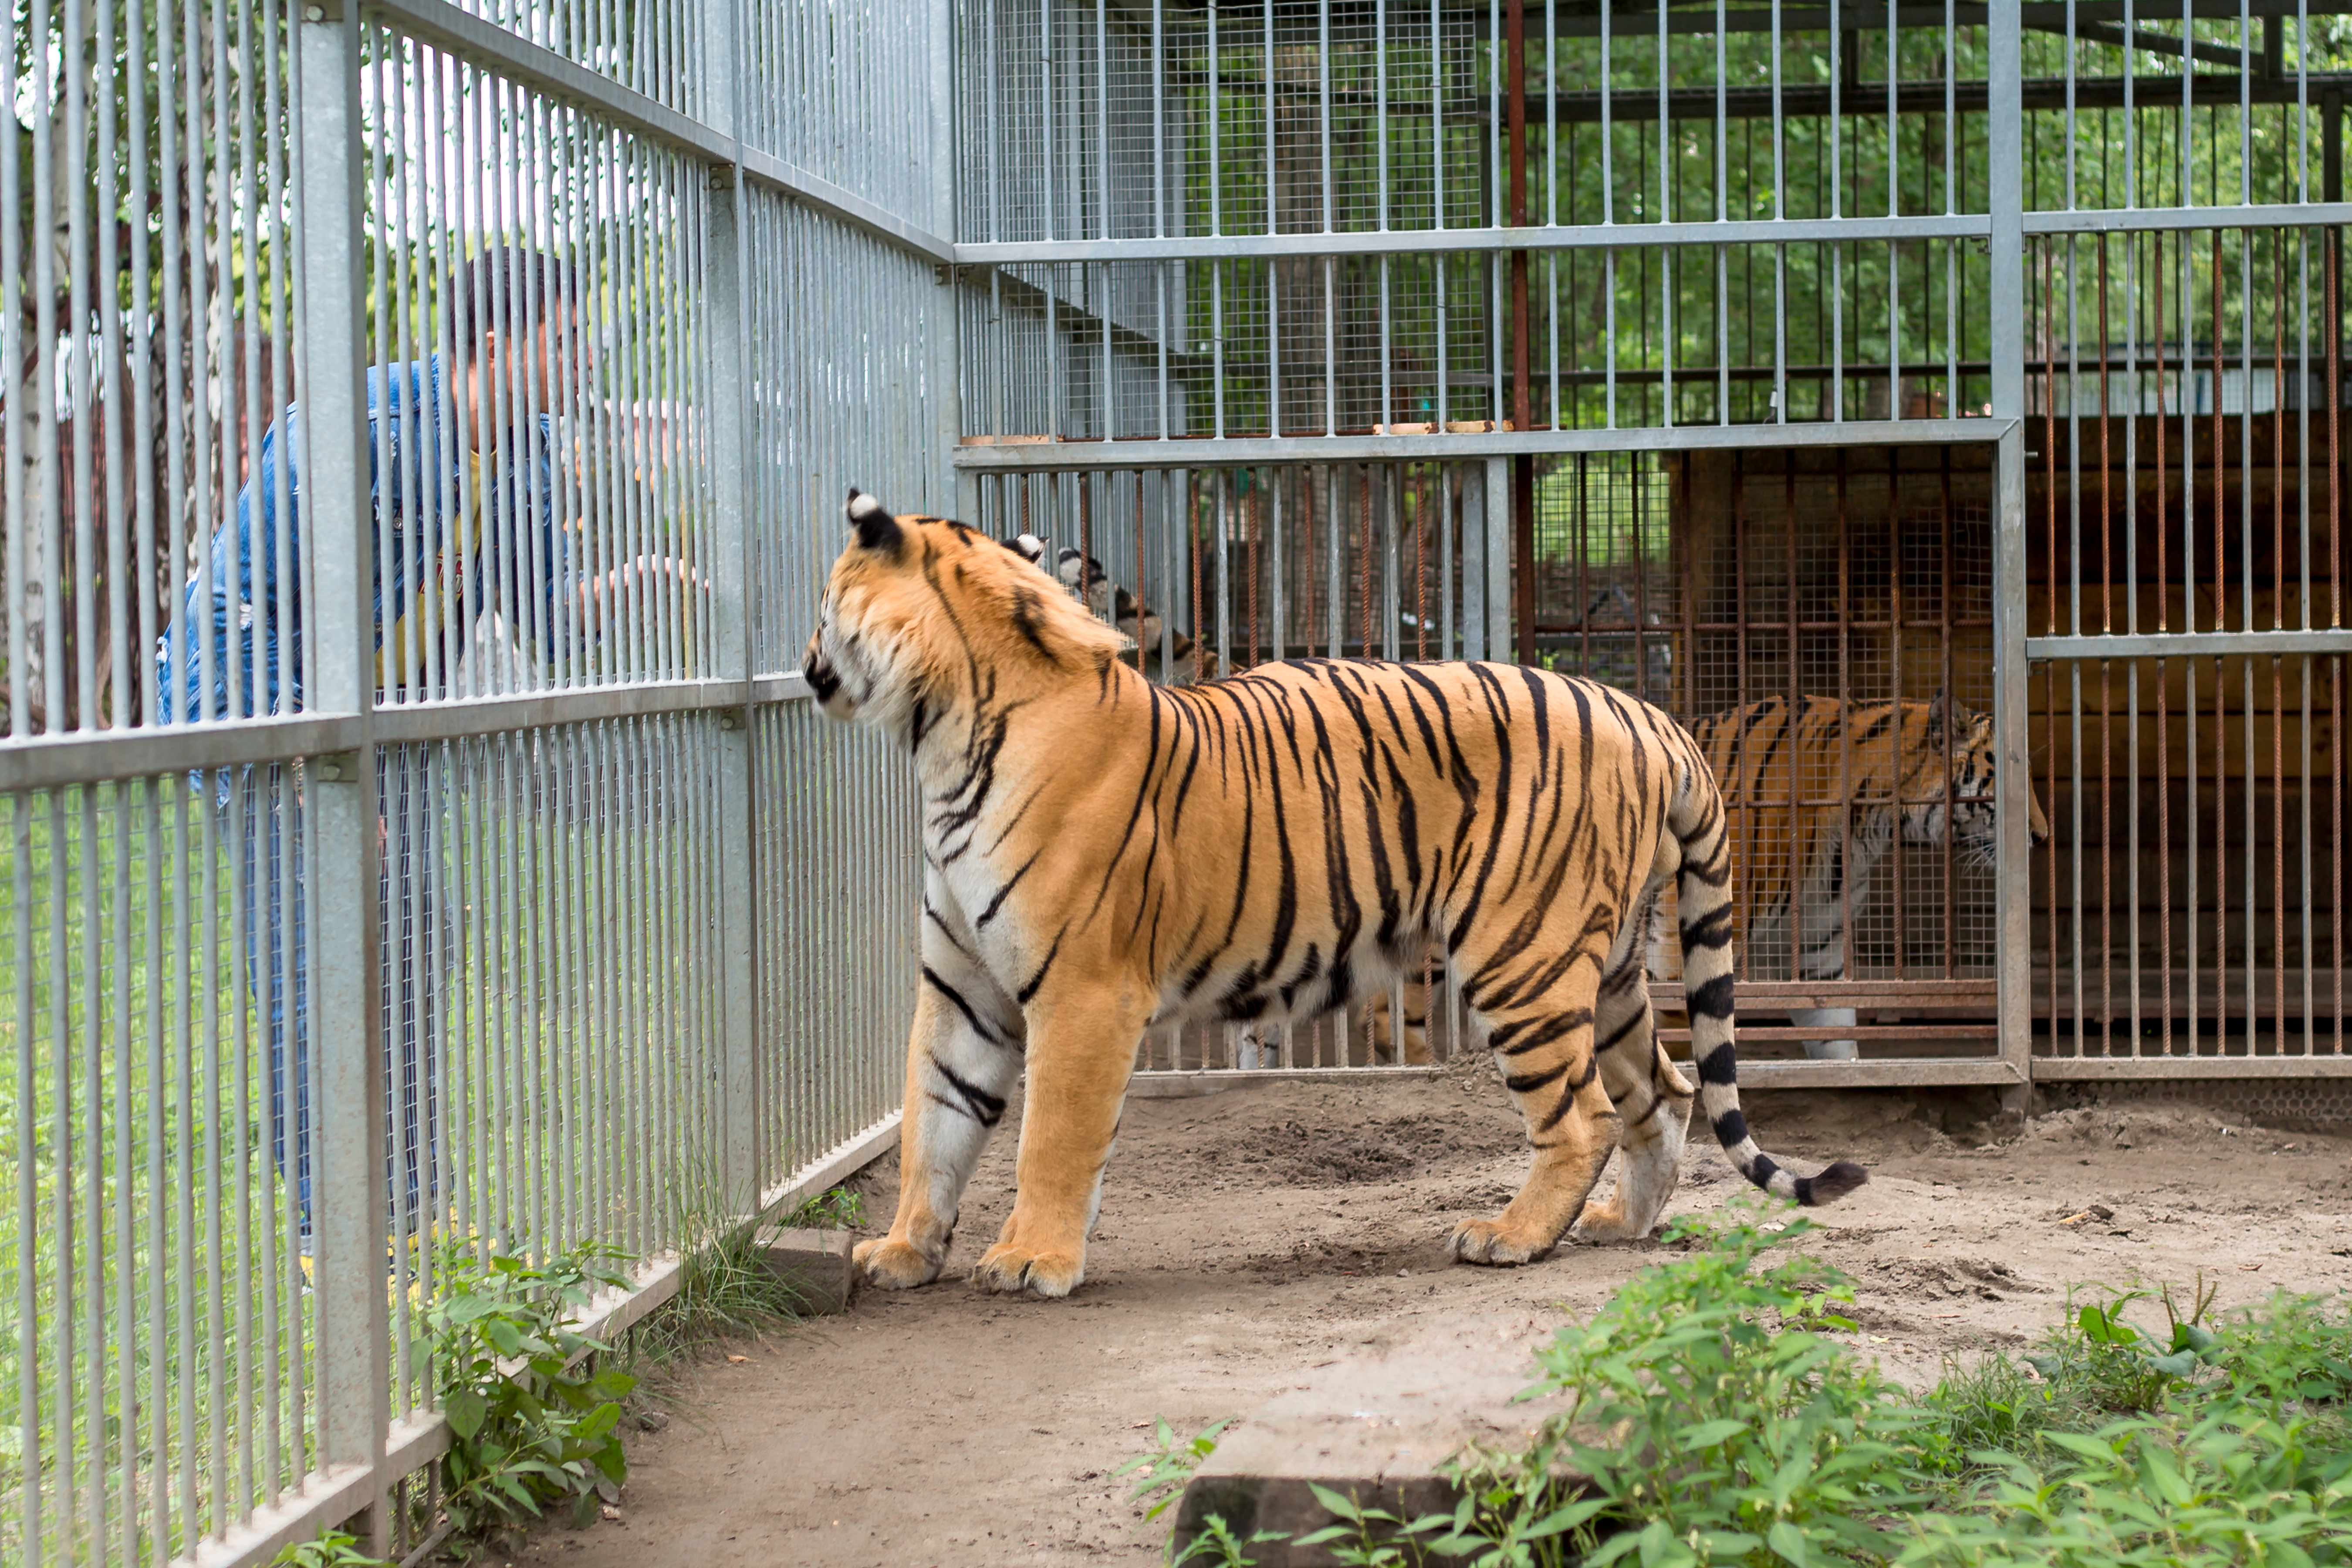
[1375, 1537]
[839, 1209]
[2289, 1347]
[2225, 1485]
[529, 1427]
[1993, 1402]
[1715, 1420]
[333, 1550]
[2097, 1353]
[1168, 1464]
[1219, 1547]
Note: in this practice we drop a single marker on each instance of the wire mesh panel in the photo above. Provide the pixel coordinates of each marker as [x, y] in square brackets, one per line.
[2185, 355]
[569, 327]
[2186, 523]
[841, 342]
[1288, 219]
[1273, 561]
[538, 367]
[161, 1376]
[550, 997]
[840, 864]
[148, 313]
[1822, 623]
[159, 1385]
[823, 88]
[658, 50]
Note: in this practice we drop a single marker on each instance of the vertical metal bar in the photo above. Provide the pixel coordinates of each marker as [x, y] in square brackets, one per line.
[726, 306]
[950, 496]
[1496, 546]
[348, 1145]
[2011, 722]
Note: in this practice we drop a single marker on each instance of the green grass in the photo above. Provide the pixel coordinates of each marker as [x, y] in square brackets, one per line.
[144, 1170]
[1718, 1417]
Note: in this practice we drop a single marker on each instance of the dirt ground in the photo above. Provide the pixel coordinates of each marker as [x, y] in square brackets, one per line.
[1247, 1237]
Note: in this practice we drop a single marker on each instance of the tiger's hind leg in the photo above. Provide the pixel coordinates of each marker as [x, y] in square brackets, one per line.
[1544, 1047]
[1654, 1107]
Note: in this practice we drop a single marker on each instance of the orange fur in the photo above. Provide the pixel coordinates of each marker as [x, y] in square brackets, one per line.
[1106, 857]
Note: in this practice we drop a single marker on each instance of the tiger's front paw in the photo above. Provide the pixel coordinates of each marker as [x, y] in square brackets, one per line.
[1497, 1243]
[896, 1265]
[1011, 1267]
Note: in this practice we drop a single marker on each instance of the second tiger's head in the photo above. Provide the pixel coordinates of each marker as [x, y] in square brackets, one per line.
[920, 614]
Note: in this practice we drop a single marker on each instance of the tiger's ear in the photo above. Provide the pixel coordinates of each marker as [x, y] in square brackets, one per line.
[876, 529]
[1939, 713]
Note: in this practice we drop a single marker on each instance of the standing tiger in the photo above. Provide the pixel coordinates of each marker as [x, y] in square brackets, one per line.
[1865, 772]
[1105, 858]
[1899, 760]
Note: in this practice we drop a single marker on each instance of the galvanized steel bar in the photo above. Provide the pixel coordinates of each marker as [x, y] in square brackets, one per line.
[723, 291]
[2012, 733]
[348, 1086]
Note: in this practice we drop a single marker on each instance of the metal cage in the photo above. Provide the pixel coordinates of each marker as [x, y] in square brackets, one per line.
[426, 419]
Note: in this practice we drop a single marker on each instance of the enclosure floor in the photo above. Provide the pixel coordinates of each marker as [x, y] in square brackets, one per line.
[1248, 1236]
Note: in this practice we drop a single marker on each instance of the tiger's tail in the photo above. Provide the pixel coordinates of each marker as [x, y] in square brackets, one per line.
[1703, 897]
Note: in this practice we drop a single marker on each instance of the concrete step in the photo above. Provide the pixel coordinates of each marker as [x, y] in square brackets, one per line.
[1378, 1424]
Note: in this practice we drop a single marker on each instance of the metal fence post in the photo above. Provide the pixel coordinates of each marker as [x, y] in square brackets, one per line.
[349, 1261]
[2012, 720]
[959, 494]
[1498, 562]
[723, 297]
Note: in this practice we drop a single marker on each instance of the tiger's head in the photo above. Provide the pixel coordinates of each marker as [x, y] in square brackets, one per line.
[922, 616]
[1975, 822]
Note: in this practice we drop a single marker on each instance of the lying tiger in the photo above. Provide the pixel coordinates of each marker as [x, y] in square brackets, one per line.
[1898, 763]
[1106, 857]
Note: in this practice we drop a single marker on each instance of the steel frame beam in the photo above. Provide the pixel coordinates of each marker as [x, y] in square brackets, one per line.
[1238, 451]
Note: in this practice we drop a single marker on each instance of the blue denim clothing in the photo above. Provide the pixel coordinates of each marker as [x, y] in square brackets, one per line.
[419, 473]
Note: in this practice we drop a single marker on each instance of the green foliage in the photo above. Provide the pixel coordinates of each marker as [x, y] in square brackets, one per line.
[1993, 1404]
[528, 1426]
[840, 1209]
[1375, 1537]
[1708, 1417]
[2220, 1484]
[725, 1291]
[333, 1550]
[2097, 1354]
[2289, 1347]
[1169, 1464]
[1717, 1421]
[1219, 1547]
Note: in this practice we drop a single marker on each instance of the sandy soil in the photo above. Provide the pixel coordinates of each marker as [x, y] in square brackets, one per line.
[1247, 1237]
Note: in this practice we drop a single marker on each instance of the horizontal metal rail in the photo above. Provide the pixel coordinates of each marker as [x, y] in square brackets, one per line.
[2052, 1068]
[84, 757]
[2144, 220]
[1429, 241]
[1642, 21]
[1033, 456]
[2193, 645]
